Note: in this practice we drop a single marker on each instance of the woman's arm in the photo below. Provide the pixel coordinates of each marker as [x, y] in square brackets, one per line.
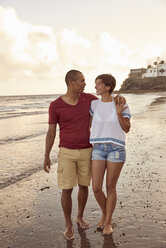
[124, 122]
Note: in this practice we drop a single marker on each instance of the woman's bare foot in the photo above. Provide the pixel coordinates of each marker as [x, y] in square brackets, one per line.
[107, 229]
[69, 233]
[82, 223]
[101, 222]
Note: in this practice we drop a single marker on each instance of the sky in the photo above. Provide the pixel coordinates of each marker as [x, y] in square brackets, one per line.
[40, 40]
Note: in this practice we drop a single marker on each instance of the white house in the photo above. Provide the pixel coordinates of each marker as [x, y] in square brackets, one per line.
[159, 70]
[162, 69]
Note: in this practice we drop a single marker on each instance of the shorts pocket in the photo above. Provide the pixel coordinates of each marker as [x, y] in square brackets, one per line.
[60, 170]
[120, 154]
[117, 155]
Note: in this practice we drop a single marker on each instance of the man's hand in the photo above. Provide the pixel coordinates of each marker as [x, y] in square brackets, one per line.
[47, 164]
[49, 143]
[120, 100]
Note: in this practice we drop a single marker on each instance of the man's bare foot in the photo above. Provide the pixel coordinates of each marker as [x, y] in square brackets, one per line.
[69, 233]
[107, 229]
[82, 223]
[101, 222]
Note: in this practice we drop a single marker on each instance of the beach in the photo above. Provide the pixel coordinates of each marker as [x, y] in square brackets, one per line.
[31, 214]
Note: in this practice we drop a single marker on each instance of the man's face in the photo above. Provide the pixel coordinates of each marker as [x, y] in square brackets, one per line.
[79, 83]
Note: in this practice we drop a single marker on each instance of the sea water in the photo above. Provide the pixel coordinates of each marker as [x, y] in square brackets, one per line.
[23, 127]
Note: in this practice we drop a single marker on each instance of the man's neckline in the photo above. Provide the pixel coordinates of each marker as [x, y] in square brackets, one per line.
[69, 103]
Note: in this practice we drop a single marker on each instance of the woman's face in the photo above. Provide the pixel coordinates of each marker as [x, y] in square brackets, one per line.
[101, 88]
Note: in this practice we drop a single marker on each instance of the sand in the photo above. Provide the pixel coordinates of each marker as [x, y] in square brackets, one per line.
[31, 214]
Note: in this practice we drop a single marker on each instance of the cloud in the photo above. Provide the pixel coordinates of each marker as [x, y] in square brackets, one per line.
[71, 37]
[111, 45]
[33, 53]
[38, 52]
[30, 50]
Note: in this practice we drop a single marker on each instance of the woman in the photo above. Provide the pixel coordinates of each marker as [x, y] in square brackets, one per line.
[110, 122]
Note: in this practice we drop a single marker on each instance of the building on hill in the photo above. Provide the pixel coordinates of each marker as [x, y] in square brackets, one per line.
[137, 73]
[157, 71]
[153, 78]
[151, 71]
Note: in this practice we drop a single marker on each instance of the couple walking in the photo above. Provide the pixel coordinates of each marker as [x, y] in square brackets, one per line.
[82, 154]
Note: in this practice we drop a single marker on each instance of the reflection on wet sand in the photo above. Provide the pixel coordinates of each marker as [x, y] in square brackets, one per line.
[85, 243]
[69, 244]
[109, 242]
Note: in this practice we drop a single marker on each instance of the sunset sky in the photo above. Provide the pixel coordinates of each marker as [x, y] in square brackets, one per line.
[40, 40]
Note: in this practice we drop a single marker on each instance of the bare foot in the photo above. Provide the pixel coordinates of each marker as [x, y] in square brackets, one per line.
[69, 233]
[82, 223]
[107, 229]
[101, 222]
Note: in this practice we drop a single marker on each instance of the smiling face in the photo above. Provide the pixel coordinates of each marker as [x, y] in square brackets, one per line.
[79, 83]
[101, 88]
[105, 84]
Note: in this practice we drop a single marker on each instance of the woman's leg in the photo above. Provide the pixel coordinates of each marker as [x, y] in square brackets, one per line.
[98, 170]
[113, 172]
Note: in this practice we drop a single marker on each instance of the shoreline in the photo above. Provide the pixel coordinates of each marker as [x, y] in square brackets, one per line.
[138, 91]
[31, 211]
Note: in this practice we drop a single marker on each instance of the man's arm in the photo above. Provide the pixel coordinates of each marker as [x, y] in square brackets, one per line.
[90, 121]
[50, 137]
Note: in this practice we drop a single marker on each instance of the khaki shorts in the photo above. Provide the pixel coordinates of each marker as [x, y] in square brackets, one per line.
[74, 166]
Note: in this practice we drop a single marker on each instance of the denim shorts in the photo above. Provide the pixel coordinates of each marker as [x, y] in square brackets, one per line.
[109, 151]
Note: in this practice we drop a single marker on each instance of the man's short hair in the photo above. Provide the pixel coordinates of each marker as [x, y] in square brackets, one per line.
[71, 75]
[108, 80]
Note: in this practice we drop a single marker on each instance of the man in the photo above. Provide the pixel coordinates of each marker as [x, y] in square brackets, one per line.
[71, 112]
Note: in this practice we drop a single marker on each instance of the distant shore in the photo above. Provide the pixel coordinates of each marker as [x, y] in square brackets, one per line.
[137, 91]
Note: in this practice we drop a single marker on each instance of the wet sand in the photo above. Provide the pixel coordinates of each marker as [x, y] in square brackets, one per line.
[31, 214]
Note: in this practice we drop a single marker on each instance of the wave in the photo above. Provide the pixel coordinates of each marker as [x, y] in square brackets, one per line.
[7, 108]
[8, 181]
[19, 114]
[15, 139]
[16, 107]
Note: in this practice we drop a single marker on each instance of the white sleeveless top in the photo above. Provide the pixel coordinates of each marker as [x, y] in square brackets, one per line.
[105, 124]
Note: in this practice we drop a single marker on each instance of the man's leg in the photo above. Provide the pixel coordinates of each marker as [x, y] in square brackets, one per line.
[82, 199]
[83, 175]
[66, 174]
[66, 201]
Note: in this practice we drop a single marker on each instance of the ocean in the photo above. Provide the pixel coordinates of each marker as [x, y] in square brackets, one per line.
[23, 127]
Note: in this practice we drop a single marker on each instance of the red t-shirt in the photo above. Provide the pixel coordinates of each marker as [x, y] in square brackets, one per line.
[73, 121]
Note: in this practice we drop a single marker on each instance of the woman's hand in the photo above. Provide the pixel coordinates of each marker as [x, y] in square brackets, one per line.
[119, 100]
[120, 108]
